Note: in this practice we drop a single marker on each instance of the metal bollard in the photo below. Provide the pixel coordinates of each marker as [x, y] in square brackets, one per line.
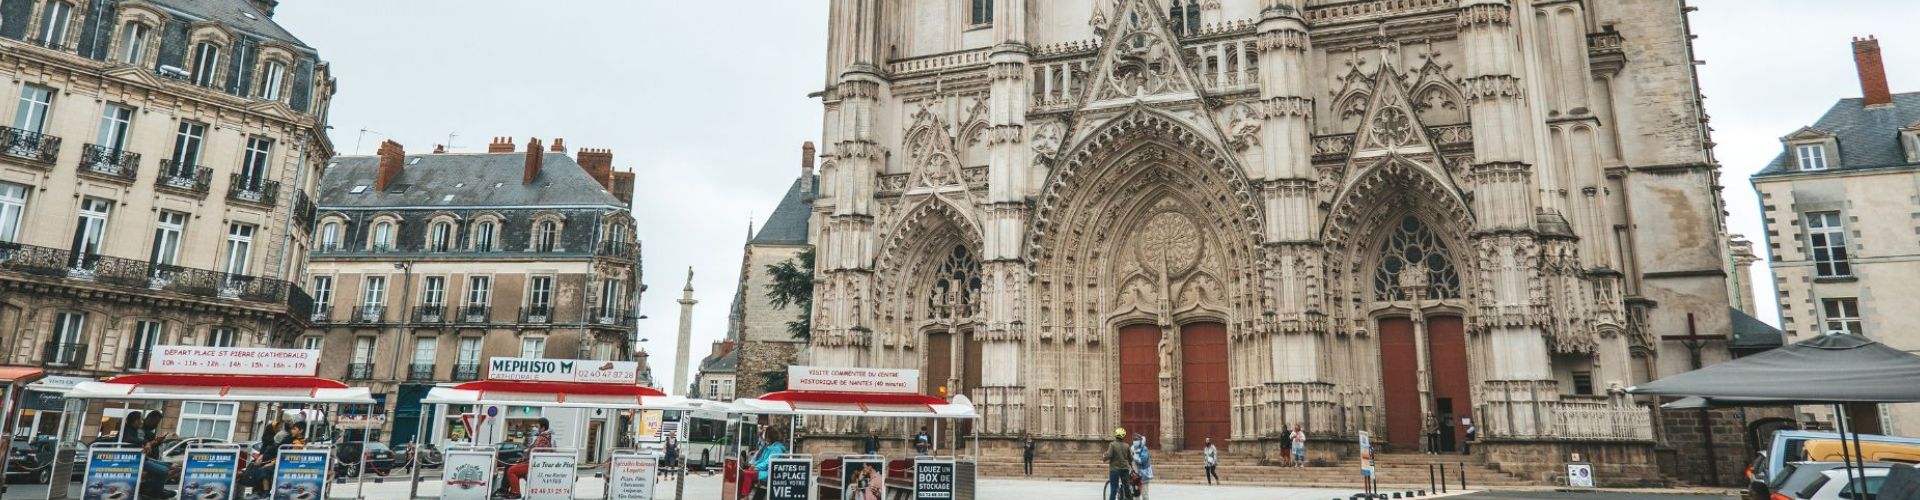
[1430, 476]
[1443, 478]
[1463, 476]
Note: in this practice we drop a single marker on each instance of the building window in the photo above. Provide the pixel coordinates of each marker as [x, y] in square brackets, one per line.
[483, 237]
[1827, 241]
[713, 389]
[1413, 248]
[469, 351]
[186, 148]
[239, 248]
[133, 43]
[329, 236]
[980, 12]
[253, 166]
[376, 294]
[220, 337]
[617, 233]
[479, 291]
[13, 207]
[423, 352]
[436, 292]
[533, 347]
[1583, 382]
[312, 342]
[609, 297]
[53, 24]
[89, 231]
[1812, 156]
[207, 420]
[438, 235]
[726, 390]
[322, 292]
[206, 64]
[166, 237]
[146, 335]
[1843, 315]
[540, 295]
[1185, 17]
[65, 349]
[362, 350]
[35, 102]
[270, 83]
[115, 121]
[544, 238]
[383, 236]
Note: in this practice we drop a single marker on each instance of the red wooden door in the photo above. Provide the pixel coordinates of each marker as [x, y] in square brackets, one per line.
[1203, 374]
[1447, 345]
[1140, 381]
[1400, 382]
[939, 361]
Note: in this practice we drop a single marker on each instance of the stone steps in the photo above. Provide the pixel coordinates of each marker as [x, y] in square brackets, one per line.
[1185, 466]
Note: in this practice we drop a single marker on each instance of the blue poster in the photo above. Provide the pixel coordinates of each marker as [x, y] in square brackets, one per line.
[209, 473]
[301, 475]
[112, 474]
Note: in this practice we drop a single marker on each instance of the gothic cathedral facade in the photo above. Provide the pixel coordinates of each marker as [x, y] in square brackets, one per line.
[1224, 218]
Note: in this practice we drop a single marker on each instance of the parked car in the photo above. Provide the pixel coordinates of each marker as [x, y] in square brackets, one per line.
[1802, 446]
[1795, 476]
[378, 456]
[1832, 484]
[29, 459]
[429, 456]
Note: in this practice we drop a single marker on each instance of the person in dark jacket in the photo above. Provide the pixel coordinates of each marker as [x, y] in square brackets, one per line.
[1119, 459]
[1026, 453]
[871, 444]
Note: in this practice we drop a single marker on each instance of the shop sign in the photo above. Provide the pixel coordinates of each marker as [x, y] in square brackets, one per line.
[234, 361]
[826, 379]
[564, 370]
[630, 477]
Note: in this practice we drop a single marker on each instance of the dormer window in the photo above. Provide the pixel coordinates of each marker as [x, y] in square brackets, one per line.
[273, 74]
[1911, 139]
[1812, 156]
[206, 64]
[133, 43]
[53, 24]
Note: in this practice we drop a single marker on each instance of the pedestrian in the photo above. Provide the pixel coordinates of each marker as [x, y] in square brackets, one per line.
[1299, 439]
[1142, 461]
[1026, 453]
[1286, 443]
[1119, 464]
[922, 442]
[871, 445]
[1466, 448]
[541, 436]
[1213, 461]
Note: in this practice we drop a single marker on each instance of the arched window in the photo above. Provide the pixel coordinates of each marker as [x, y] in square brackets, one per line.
[206, 65]
[438, 236]
[383, 236]
[133, 42]
[329, 236]
[54, 21]
[955, 292]
[1415, 260]
[544, 238]
[1185, 16]
[483, 236]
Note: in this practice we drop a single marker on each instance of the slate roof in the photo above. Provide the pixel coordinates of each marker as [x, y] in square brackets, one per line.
[236, 14]
[724, 364]
[1750, 333]
[463, 180]
[788, 223]
[1868, 137]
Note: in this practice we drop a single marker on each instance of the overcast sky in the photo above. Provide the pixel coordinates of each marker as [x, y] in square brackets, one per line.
[709, 105]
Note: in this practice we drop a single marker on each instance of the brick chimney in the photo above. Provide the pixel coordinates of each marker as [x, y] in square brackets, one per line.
[806, 166]
[559, 145]
[266, 6]
[599, 165]
[393, 158]
[501, 145]
[534, 155]
[1873, 74]
[623, 186]
[439, 149]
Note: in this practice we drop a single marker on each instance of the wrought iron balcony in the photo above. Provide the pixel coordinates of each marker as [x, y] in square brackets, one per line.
[30, 145]
[253, 190]
[536, 314]
[322, 313]
[420, 371]
[473, 313]
[609, 316]
[359, 371]
[63, 354]
[112, 164]
[618, 250]
[143, 275]
[369, 314]
[193, 179]
[430, 313]
[466, 371]
[300, 305]
[304, 210]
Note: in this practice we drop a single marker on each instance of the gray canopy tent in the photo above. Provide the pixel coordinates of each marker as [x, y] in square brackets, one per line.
[1827, 370]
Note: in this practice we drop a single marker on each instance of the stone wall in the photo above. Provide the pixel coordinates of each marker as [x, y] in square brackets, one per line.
[1685, 443]
[1615, 464]
[757, 358]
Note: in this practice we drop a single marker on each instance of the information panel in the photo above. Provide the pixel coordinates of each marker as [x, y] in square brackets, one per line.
[208, 473]
[790, 478]
[863, 478]
[467, 473]
[933, 479]
[301, 474]
[112, 473]
[631, 477]
[550, 474]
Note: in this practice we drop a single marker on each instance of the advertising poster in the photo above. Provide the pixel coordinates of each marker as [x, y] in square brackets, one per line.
[862, 479]
[825, 379]
[467, 474]
[1580, 475]
[301, 475]
[933, 479]
[550, 475]
[789, 478]
[209, 473]
[630, 477]
[112, 474]
[1366, 455]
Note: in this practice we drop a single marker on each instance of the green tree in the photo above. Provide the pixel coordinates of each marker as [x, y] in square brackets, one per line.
[793, 286]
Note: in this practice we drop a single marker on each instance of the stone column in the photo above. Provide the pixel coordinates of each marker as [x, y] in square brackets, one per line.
[1291, 332]
[845, 241]
[1515, 365]
[1004, 297]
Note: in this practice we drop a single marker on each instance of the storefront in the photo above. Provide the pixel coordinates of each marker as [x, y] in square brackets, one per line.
[41, 405]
